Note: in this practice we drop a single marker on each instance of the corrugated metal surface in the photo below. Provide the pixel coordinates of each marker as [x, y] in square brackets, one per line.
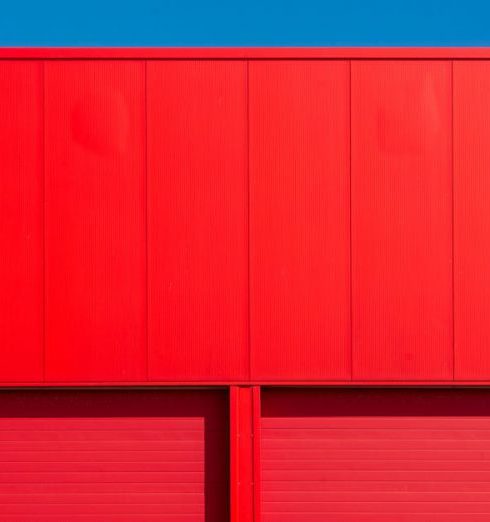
[95, 219]
[198, 219]
[113, 456]
[472, 219]
[128, 190]
[375, 455]
[402, 220]
[300, 220]
[21, 222]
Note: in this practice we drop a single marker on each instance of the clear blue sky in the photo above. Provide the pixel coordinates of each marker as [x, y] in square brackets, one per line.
[240, 23]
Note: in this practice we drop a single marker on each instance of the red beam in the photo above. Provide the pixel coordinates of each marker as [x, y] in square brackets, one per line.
[437, 53]
[245, 453]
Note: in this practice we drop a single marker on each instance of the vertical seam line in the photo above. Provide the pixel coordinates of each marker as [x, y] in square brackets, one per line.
[249, 291]
[147, 287]
[350, 225]
[453, 220]
[43, 196]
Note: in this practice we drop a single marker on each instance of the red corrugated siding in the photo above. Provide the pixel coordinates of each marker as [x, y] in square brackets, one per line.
[95, 221]
[472, 219]
[113, 456]
[375, 455]
[21, 222]
[300, 220]
[402, 220]
[197, 220]
[129, 187]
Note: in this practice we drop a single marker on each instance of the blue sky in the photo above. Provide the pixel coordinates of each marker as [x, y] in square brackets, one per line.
[238, 23]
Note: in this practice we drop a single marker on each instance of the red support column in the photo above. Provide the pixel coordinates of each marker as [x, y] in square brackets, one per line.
[245, 453]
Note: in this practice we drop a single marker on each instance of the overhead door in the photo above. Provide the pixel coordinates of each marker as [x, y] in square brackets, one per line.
[113, 456]
[375, 455]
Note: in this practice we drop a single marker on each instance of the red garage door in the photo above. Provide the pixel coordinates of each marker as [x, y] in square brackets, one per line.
[113, 456]
[376, 455]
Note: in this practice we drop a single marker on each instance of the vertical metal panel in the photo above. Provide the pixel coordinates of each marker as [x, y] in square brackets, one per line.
[472, 219]
[198, 237]
[244, 453]
[402, 220]
[299, 220]
[21, 221]
[95, 221]
[114, 456]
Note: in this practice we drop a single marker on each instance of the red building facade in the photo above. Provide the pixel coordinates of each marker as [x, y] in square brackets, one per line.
[247, 284]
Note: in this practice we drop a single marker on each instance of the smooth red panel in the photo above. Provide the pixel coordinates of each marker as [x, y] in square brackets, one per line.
[246, 53]
[114, 455]
[197, 190]
[21, 221]
[371, 455]
[299, 220]
[402, 220]
[95, 221]
[472, 219]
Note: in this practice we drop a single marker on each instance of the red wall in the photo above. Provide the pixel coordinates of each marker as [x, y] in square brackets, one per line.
[244, 220]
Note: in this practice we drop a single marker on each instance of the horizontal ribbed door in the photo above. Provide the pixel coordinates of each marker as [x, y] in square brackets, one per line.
[375, 455]
[113, 456]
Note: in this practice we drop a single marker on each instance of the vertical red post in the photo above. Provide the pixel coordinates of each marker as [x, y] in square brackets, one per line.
[245, 453]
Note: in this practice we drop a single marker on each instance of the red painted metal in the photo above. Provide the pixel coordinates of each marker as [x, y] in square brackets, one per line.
[204, 53]
[257, 458]
[375, 455]
[21, 222]
[471, 220]
[402, 220]
[300, 219]
[197, 220]
[113, 455]
[130, 180]
[334, 383]
[244, 217]
[244, 453]
[95, 218]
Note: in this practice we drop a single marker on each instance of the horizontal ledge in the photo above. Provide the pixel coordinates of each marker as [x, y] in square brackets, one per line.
[203, 383]
[230, 53]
